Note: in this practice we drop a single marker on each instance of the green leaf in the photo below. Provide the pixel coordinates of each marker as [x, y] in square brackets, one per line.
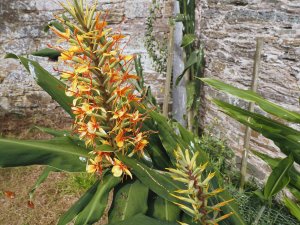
[286, 138]
[54, 87]
[191, 94]
[129, 199]
[47, 52]
[159, 182]
[293, 207]
[157, 153]
[179, 17]
[193, 59]
[162, 209]
[295, 191]
[143, 220]
[41, 179]
[78, 206]
[60, 153]
[55, 24]
[94, 210]
[260, 195]
[248, 95]
[53, 132]
[279, 177]
[273, 162]
[188, 39]
[167, 136]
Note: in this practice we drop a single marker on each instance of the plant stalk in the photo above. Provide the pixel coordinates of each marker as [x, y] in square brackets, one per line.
[254, 84]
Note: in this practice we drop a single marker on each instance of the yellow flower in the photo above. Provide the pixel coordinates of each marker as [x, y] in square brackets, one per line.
[75, 49]
[87, 108]
[120, 138]
[66, 55]
[82, 69]
[119, 168]
[94, 166]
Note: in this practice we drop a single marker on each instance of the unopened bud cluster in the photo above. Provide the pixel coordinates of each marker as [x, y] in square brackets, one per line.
[195, 198]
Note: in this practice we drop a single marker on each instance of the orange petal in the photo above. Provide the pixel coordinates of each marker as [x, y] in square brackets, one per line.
[10, 194]
[30, 204]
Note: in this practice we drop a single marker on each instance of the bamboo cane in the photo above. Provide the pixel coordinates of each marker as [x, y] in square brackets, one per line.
[257, 59]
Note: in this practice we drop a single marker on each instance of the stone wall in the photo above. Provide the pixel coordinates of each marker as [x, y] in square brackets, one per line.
[229, 28]
[22, 102]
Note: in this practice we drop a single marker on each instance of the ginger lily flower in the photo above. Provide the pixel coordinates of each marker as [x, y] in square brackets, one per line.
[95, 165]
[119, 168]
[99, 79]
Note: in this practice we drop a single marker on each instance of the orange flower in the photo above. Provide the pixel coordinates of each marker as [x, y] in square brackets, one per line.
[140, 143]
[122, 91]
[135, 117]
[62, 35]
[139, 146]
[120, 138]
[120, 114]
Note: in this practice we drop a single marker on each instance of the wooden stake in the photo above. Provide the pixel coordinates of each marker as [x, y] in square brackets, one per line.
[169, 70]
[257, 59]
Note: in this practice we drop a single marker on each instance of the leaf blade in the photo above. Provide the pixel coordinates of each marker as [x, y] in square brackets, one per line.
[254, 97]
[129, 200]
[279, 177]
[60, 153]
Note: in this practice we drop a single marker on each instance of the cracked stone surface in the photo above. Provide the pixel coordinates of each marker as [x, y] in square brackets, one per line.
[229, 28]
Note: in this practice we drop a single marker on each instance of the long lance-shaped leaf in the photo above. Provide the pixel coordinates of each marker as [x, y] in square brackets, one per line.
[279, 177]
[159, 182]
[167, 136]
[78, 206]
[129, 199]
[54, 132]
[61, 153]
[54, 87]
[293, 207]
[273, 162]
[41, 179]
[47, 52]
[94, 210]
[286, 138]
[295, 191]
[143, 220]
[248, 95]
[162, 209]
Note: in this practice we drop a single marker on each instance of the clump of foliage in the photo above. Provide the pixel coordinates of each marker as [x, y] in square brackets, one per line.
[286, 138]
[249, 206]
[156, 49]
[220, 154]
